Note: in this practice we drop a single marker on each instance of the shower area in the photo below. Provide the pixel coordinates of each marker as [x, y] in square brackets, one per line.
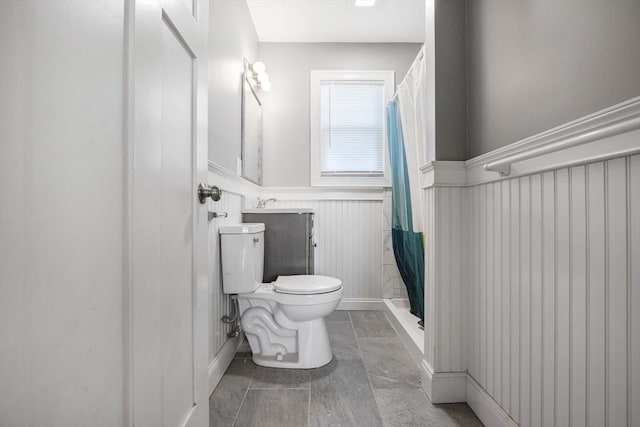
[404, 215]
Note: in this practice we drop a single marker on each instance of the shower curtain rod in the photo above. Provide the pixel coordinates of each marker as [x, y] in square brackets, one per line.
[418, 57]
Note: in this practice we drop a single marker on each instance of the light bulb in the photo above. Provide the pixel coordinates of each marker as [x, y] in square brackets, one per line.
[258, 67]
[266, 86]
[263, 77]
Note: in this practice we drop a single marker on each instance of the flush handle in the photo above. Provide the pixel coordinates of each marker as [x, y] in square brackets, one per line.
[205, 191]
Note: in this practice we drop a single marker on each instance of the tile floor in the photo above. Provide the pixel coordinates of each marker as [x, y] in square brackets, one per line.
[371, 381]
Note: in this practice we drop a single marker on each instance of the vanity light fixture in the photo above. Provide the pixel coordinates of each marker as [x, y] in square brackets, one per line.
[258, 67]
[365, 3]
[260, 76]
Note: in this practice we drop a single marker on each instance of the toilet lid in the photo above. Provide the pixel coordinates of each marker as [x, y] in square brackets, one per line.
[304, 284]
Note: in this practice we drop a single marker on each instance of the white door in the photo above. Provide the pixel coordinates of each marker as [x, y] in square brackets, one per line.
[168, 258]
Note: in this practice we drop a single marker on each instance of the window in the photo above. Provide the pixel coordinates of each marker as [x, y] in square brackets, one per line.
[348, 127]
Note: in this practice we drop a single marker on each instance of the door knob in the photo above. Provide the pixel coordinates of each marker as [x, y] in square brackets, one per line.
[205, 191]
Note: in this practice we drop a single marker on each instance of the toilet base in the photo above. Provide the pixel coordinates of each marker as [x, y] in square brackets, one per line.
[314, 349]
[287, 330]
[288, 362]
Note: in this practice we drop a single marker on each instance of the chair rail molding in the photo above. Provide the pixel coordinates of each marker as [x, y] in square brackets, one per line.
[606, 134]
[233, 183]
[603, 135]
[443, 174]
[323, 193]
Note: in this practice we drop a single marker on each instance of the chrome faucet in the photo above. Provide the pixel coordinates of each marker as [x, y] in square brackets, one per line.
[262, 203]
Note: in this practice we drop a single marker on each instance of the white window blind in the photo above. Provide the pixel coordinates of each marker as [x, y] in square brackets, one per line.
[352, 128]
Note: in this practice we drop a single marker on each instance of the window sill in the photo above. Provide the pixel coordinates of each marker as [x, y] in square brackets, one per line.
[350, 182]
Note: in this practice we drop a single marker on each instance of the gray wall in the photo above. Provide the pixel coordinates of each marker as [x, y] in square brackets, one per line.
[535, 64]
[232, 37]
[286, 106]
[450, 79]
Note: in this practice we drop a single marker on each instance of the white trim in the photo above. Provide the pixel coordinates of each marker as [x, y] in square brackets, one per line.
[490, 413]
[426, 375]
[612, 132]
[221, 362]
[443, 387]
[315, 193]
[315, 79]
[590, 126]
[361, 304]
[452, 387]
[443, 174]
[232, 183]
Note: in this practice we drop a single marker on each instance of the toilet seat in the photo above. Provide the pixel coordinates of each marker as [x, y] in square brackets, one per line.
[306, 284]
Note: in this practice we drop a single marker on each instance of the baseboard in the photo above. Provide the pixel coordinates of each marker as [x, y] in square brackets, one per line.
[455, 387]
[361, 304]
[487, 409]
[443, 387]
[221, 362]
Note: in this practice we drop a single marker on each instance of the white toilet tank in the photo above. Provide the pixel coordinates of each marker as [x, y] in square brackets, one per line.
[242, 248]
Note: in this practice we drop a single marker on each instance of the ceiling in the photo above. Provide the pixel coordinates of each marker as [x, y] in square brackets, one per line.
[312, 21]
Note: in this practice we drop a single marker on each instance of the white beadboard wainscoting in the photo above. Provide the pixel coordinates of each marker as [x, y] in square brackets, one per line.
[229, 203]
[232, 201]
[533, 279]
[446, 257]
[555, 294]
[446, 290]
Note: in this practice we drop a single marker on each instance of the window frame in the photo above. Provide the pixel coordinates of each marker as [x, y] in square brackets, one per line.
[316, 78]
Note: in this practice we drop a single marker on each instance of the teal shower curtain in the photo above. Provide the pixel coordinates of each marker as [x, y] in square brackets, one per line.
[408, 247]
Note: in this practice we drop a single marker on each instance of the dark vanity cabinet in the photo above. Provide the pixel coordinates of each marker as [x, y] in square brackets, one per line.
[288, 240]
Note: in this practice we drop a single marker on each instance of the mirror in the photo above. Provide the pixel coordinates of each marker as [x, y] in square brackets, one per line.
[251, 131]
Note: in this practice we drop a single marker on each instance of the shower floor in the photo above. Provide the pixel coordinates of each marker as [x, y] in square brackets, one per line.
[406, 324]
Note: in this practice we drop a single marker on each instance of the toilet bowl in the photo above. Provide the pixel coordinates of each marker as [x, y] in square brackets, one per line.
[283, 320]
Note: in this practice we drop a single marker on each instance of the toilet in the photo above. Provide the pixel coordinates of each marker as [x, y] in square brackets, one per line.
[283, 320]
